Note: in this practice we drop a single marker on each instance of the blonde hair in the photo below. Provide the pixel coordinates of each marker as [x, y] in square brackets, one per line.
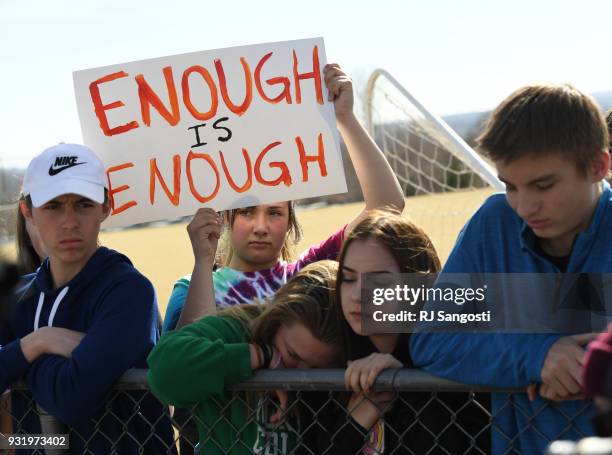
[287, 253]
[27, 257]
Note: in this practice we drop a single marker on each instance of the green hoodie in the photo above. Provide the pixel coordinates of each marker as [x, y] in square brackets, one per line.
[194, 366]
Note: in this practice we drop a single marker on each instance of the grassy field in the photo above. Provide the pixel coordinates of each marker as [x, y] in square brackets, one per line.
[164, 254]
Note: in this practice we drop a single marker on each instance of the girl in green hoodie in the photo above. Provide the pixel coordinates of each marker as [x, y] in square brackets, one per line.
[196, 364]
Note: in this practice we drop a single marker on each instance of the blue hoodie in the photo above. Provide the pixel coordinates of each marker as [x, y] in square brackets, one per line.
[115, 306]
[497, 240]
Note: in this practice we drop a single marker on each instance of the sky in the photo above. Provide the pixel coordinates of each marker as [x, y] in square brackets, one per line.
[454, 56]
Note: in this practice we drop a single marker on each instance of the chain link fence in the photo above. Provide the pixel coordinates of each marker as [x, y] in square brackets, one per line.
[424, 415]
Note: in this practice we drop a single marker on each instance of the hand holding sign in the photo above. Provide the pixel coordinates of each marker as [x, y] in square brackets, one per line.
[340, 88]
[204, 231]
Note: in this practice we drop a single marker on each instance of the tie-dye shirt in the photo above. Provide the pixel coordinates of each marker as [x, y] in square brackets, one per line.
[234, 286]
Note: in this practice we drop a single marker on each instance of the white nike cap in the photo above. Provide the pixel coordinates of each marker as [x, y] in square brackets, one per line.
[65, 169]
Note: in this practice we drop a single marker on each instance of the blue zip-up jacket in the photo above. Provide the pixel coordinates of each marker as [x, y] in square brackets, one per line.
[115, 306]
[497, 240]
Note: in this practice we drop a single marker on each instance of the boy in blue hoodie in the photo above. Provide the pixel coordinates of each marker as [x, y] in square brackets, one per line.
[549, 145]
[83, 319]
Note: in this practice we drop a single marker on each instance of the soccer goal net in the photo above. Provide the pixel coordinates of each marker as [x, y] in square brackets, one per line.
[425, 153]
[449, 179]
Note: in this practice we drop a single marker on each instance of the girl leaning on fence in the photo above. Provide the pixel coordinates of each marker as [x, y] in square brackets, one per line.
[194, 366]
[257, 259]
[386, 243]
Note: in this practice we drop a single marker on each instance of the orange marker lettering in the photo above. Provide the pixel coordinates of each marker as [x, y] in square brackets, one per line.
[286, 93]
[99, 107]
[285, 176]
[149, 98]
[192, 156]
[248, 97]
[305, 159]
[314, 74]
[230, 180]
[112, 191]
[214, 98]
[175, 196]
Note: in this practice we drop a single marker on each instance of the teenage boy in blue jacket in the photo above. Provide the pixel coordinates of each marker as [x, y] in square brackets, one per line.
[549, 145]
[83, 319]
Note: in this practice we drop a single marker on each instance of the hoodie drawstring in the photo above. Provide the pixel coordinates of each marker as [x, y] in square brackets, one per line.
[41, 300]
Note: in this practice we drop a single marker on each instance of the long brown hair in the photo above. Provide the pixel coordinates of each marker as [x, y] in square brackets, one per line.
[27, 257]
[307, 298]
[409, 245]
[287, 253]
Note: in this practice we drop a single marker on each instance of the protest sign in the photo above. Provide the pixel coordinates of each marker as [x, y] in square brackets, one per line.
[223, 128]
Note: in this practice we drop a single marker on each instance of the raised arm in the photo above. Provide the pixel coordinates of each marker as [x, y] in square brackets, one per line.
[378, 183]
[204, 231]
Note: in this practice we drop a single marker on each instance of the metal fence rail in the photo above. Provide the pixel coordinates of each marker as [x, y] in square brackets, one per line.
[428, 415]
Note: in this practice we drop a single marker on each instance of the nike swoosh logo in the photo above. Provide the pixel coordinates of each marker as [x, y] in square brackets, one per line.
[57, 170]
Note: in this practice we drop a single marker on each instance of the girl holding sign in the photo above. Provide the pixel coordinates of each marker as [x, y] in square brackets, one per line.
[258, 260]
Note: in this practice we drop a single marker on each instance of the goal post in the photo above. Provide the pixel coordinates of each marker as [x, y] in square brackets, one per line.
[444, 179]
[427, 155]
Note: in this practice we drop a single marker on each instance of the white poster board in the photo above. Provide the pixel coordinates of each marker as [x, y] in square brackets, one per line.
[223, 128]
